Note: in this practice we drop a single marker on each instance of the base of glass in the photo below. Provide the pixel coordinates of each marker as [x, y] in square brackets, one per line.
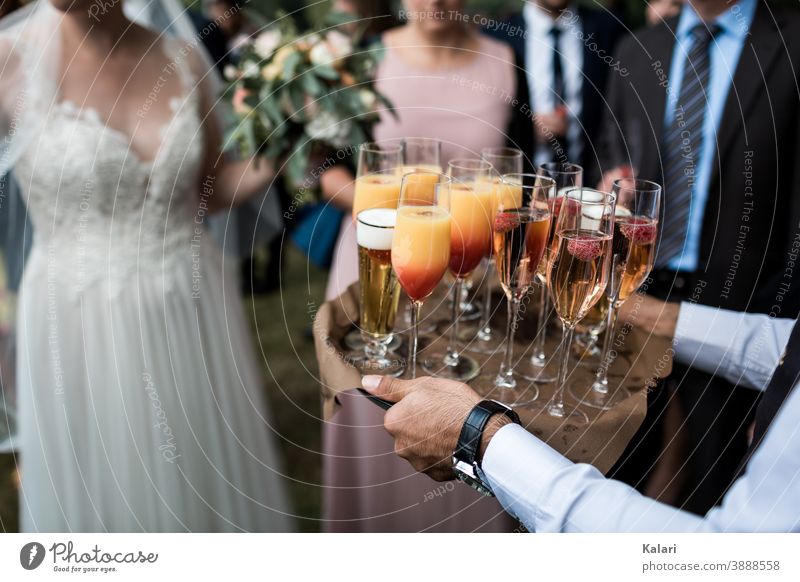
[565, 413]
[354, 341]
[522, 393]
[391, 365]
[475, 342]
[534, 371]
[589, 396]
[462, 369]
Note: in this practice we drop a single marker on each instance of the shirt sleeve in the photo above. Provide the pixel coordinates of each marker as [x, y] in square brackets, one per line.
[549, 493]
[743, 348]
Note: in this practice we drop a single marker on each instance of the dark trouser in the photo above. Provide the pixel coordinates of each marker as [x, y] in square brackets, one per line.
[641, 455]
[718, 413]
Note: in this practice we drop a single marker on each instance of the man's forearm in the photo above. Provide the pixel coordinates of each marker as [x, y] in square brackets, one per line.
[743, 348]
[549, 493]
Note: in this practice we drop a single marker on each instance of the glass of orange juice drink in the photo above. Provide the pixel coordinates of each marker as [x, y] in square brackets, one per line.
[378, 176]
[421, 245]
[471, 207]
[503, 160]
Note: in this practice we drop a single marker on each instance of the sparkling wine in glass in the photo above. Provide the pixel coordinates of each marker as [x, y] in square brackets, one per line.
[421, 244]
[471, 205]
[632, 255]
[520, 233]
[379, 291]
[577, 274]
[540, 367]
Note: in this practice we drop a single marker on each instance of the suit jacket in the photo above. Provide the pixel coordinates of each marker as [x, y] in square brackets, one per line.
[601, 30]
[751, 222]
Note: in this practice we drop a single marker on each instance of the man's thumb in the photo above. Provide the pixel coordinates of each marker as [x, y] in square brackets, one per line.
[385, 387]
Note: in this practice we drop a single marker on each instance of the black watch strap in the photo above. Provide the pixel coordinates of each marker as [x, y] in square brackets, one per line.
[472, 431]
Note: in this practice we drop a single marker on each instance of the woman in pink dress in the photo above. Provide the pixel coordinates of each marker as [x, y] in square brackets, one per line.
[446, 81]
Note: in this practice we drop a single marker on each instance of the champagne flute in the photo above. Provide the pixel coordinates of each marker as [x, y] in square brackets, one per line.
[377, 176]
[503, 160]
[469, 170]
[471, 205]
[577, 273]
[379, 291]
[520, 230]
[421, 154]
[566, 176]
[633, 251]
[421, 244]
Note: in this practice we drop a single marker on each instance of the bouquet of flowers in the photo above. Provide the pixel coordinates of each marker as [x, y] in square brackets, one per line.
[295, 94]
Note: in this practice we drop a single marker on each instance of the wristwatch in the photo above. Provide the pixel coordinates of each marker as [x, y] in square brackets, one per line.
[465, 457]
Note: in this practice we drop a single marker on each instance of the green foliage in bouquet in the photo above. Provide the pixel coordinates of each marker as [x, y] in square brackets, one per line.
[297, 94]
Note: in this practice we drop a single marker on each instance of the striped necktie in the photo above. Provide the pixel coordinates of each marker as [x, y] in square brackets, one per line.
[683, 145]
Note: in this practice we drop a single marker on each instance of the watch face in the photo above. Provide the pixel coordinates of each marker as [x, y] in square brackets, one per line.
[466, 473]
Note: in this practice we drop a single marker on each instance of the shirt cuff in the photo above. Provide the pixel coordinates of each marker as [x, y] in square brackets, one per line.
[519, 468]
[740, 347]
[700, 330]
[689, 315]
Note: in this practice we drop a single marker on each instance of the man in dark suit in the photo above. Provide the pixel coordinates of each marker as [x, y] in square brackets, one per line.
[567, 54]
[709, 108]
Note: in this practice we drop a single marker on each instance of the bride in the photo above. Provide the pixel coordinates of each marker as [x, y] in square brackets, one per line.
[140, 403]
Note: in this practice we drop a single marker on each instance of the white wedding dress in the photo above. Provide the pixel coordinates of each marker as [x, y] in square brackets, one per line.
[140, 398]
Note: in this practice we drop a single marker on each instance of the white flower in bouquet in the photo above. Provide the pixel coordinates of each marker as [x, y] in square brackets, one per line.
[231, 72]
[340, 44]
[321, 54]
[368, 99]
[266, 43]
[250, 70]
[327, 127]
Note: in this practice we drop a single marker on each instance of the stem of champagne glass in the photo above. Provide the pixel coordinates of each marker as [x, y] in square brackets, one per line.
[601, 381]
[485, 328]
[505, 378]
[600, 384]
[451, 359]
[538, 357]
[556, 406]
[415, 310]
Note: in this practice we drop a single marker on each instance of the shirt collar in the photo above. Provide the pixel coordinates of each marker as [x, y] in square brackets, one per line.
[735, 21]
[540, 23]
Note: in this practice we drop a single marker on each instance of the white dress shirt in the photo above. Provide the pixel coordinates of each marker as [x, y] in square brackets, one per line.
[549, 493]
[539, 70]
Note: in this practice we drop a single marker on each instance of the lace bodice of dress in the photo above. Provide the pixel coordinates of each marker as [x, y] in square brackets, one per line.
[102, 209]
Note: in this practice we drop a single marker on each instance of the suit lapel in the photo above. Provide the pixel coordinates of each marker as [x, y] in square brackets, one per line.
[751, 77]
